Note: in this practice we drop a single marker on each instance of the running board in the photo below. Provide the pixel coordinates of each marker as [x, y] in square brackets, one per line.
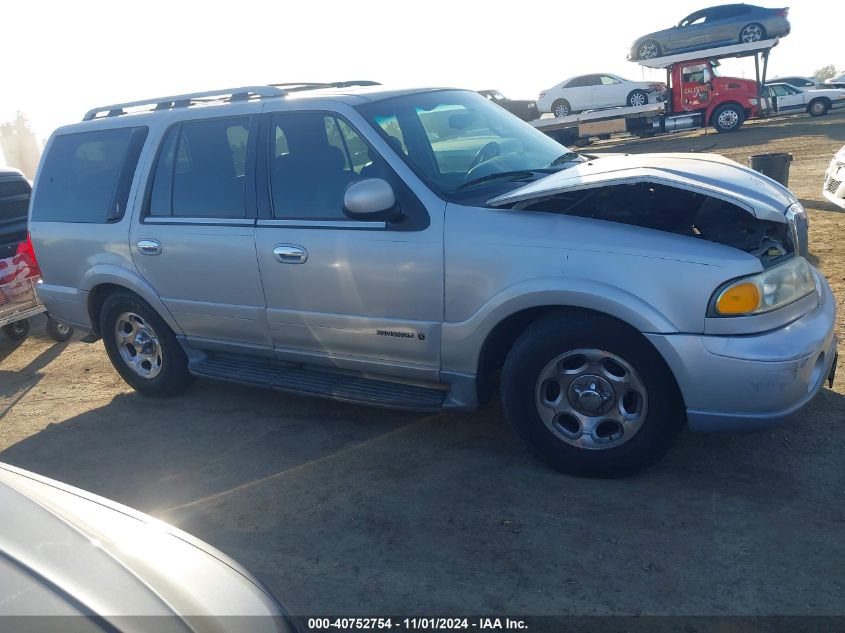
[316, 382]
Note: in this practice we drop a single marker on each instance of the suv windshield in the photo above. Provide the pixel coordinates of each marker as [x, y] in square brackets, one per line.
[458, 141]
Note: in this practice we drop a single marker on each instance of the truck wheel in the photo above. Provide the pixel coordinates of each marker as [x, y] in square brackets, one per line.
[590, 396]
[142, 348]
[752, 33]
[17, 331]
[58, 331]
[818, 107]
[648, 50]
[561, 107]
[637, 98]
[727, 118]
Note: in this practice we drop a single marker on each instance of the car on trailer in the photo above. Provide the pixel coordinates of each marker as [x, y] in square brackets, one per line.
[598, 91]
[722, 25]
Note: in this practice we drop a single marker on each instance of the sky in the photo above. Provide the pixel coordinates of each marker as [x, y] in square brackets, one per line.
[63, 58]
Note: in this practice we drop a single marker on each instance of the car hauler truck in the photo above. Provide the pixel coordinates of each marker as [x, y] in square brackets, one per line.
[697, 96]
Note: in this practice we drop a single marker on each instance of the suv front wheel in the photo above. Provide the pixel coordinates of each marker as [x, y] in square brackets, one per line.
[142, 347]
[590, 396]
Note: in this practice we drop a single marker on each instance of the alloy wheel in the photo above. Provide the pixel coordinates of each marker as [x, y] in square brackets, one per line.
[751, 33]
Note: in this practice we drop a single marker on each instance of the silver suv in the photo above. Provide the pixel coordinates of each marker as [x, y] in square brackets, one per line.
[404, 248]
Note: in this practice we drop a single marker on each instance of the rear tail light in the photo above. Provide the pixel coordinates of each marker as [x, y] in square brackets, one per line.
[782, 13]
[27, 253]
[542, 94]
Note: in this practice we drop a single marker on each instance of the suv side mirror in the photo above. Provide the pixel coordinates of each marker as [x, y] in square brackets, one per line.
[371, 199]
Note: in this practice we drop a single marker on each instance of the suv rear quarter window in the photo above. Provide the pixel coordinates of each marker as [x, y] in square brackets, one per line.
[86, 176]
[201, 170]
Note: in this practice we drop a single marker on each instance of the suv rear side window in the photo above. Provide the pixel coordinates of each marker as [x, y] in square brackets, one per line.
[201, 170]
[86, 176]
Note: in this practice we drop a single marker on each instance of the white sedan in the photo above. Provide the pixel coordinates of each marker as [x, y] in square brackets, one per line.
[786, 98]
[834, 180]
[592, 92]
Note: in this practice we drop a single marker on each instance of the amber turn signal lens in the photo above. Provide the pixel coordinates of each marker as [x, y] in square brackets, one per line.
[739, 299]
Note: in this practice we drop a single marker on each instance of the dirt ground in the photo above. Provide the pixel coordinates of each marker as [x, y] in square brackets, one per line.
[348, 510]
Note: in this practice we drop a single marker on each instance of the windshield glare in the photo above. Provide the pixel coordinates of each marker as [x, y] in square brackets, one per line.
[451, 138]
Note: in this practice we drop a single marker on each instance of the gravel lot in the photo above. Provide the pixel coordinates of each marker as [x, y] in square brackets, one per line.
[348, 510]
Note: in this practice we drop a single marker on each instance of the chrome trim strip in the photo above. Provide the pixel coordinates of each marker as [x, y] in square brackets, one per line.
[204, 221]
[323, 224]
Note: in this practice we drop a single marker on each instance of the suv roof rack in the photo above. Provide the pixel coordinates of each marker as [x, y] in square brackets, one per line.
[243, 93]
[298, 86]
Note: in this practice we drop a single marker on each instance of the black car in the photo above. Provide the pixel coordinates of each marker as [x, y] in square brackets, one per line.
[525, 110]
[14, 203]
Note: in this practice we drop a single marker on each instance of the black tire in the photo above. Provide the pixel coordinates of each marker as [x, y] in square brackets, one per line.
[58, 331]
[818, 107]
[563, 106]
[649, 50]
[637, 98]
[173, 376]
[727, 118]
[750, 33]
[17, 331]
[561, 332]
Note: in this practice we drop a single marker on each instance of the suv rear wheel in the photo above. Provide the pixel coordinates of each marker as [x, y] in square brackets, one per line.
[590, 396]
[142, 348]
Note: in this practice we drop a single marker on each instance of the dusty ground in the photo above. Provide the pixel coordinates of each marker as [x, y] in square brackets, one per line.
[343, 509]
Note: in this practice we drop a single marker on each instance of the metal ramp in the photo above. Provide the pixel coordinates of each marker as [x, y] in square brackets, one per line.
[720, 52]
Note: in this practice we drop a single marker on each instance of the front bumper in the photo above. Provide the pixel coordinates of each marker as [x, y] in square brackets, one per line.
[749, 383]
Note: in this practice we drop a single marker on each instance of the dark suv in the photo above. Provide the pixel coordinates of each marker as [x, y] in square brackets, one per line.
[14, 203]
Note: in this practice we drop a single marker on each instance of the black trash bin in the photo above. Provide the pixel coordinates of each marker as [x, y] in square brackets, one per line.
[775, 166]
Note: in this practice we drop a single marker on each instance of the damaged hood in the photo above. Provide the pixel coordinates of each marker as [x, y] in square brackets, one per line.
[709, 174]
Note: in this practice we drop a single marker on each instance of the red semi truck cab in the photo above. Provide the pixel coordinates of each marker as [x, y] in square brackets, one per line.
[724, 102]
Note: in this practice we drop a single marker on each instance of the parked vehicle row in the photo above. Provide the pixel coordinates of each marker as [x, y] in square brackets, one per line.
[397, 248]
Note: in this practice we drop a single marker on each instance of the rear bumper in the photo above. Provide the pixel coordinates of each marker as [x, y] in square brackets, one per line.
[750, 383]
[68, 305]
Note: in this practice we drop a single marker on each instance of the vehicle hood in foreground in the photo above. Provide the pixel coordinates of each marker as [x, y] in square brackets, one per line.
[66, 552]
[710, 174]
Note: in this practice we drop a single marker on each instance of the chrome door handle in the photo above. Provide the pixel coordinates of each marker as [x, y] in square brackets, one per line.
[149, 247]
[290, 254]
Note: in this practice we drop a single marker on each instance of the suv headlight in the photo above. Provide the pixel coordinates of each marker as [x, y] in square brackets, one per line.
[766, 291]
[799, 226]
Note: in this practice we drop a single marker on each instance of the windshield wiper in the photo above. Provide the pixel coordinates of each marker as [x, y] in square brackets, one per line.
[509, 175]
[568, 157]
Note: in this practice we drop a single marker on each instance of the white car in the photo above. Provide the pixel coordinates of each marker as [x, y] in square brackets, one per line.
[786, 98]
[592, 92]
[834, 180]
